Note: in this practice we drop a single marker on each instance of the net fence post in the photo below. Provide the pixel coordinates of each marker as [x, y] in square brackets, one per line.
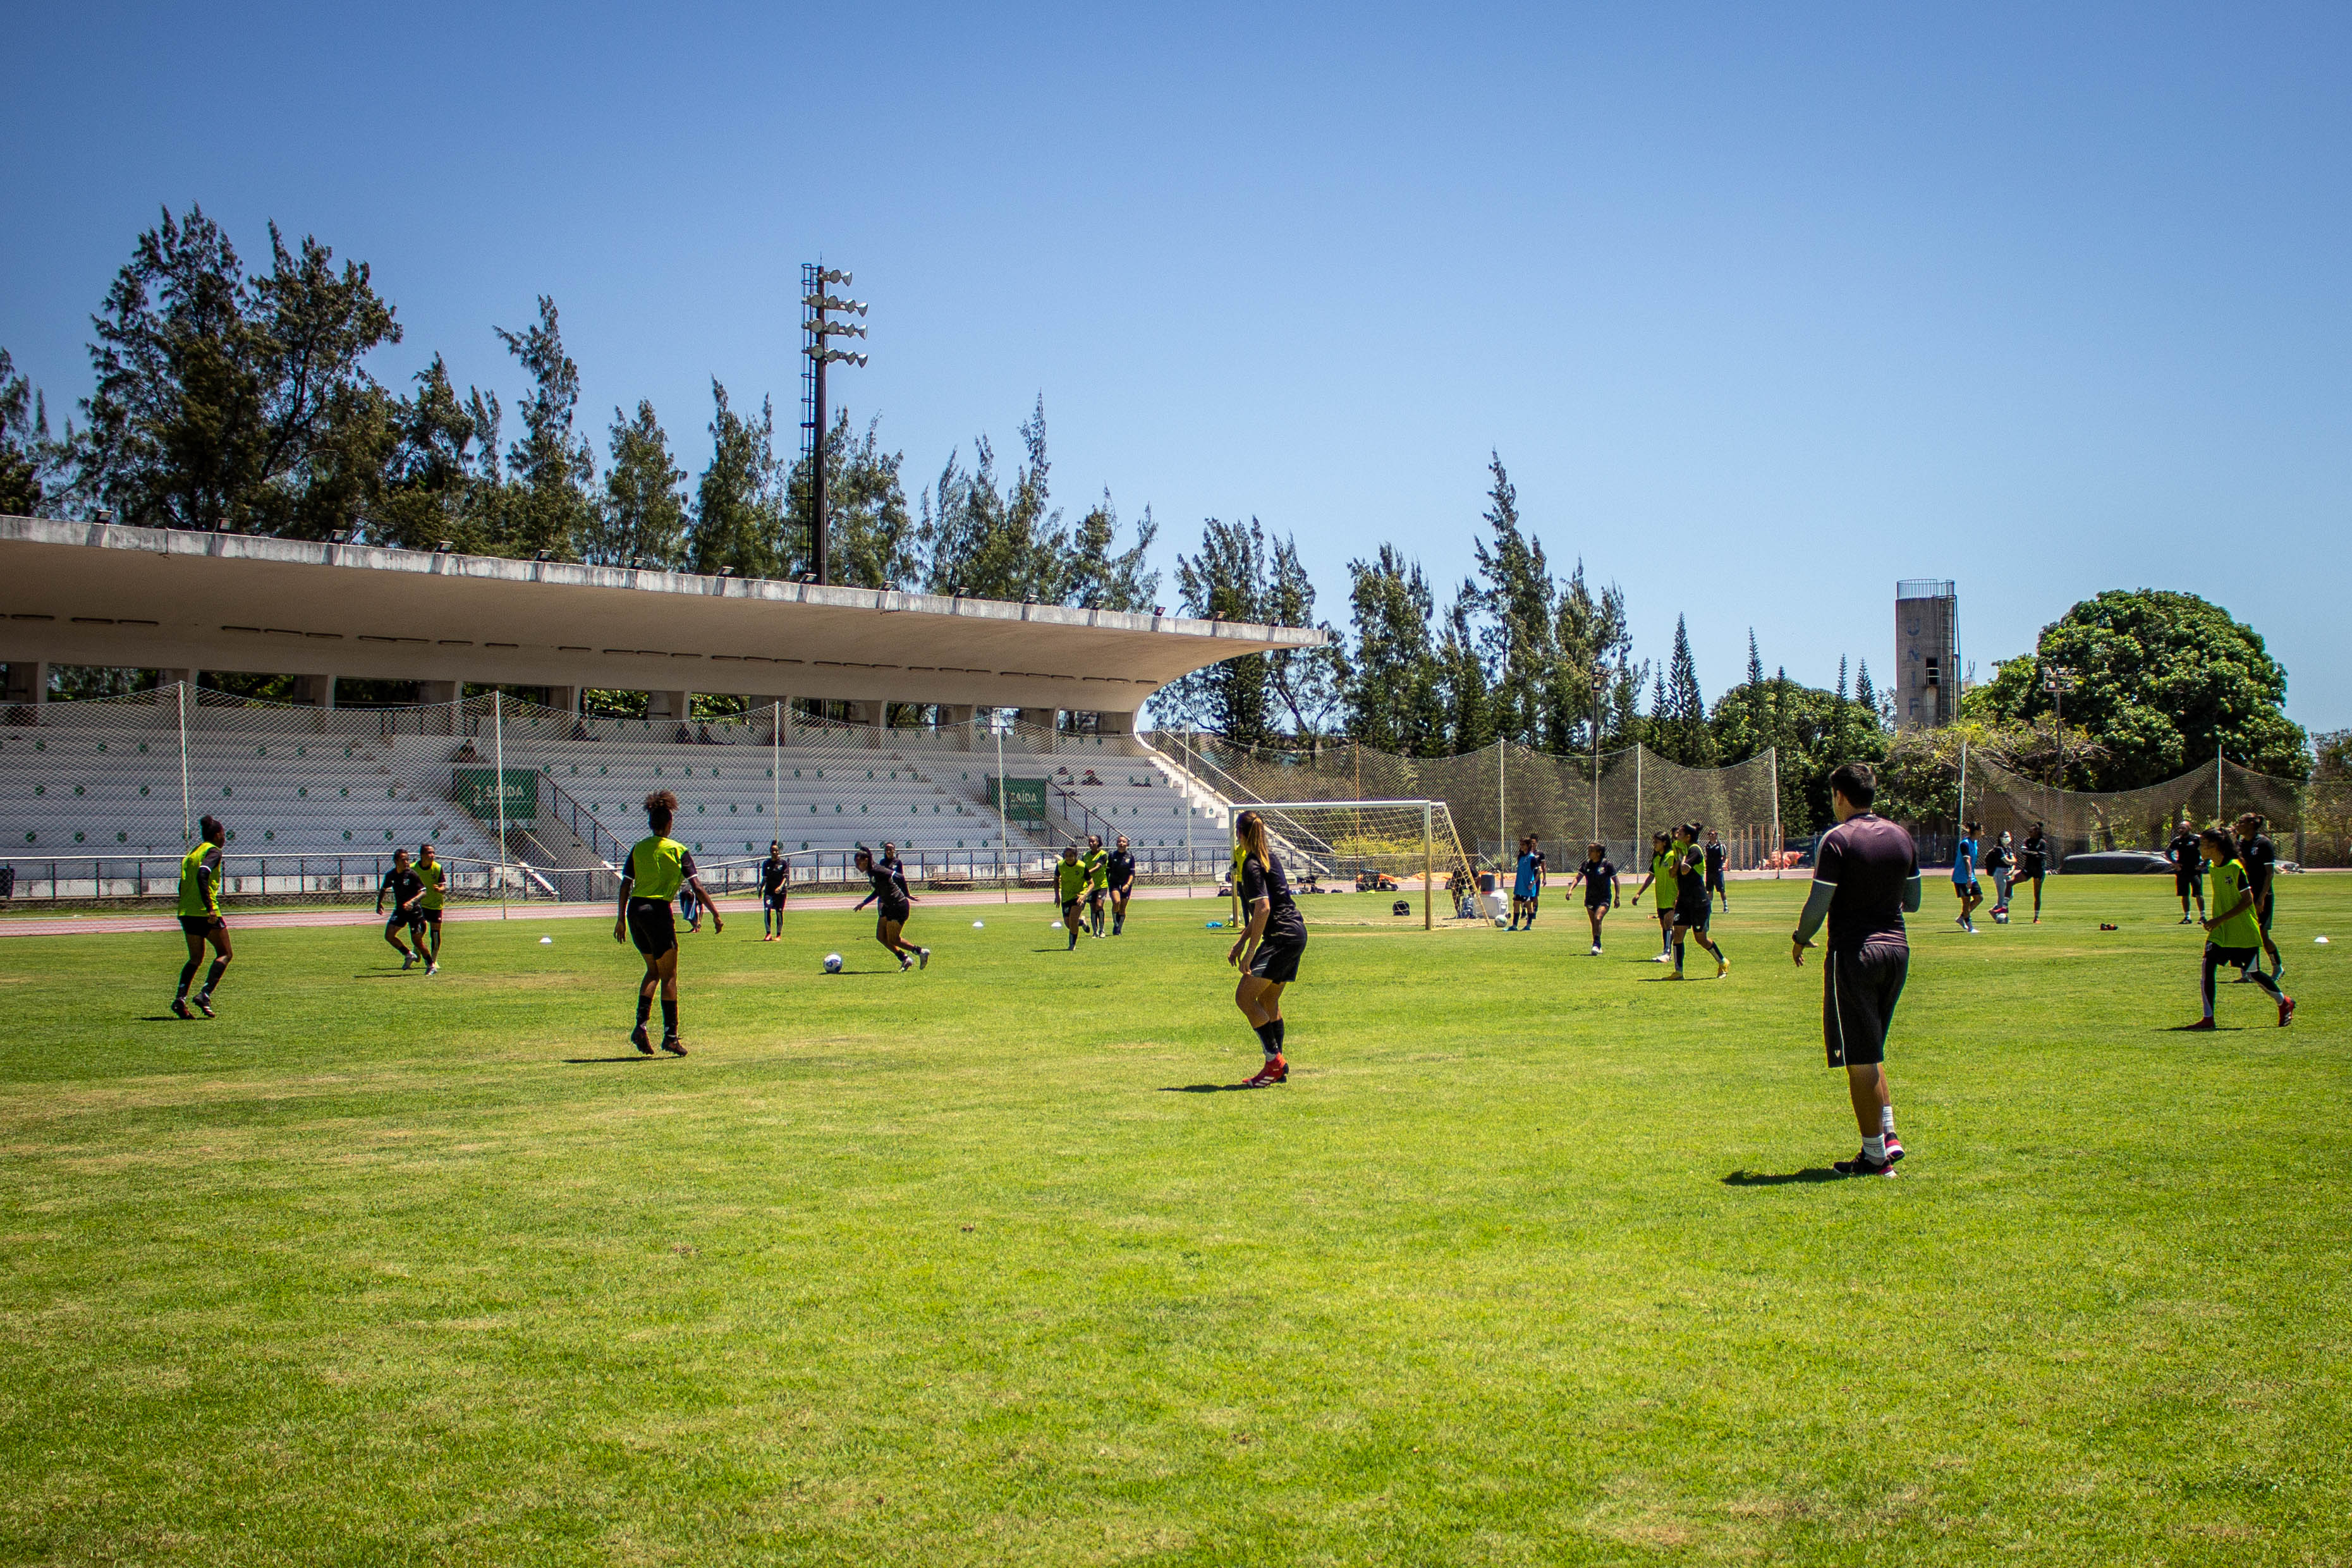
[2217, 808]
[498, 766]
[1502, 839]
[1004, 828]
[1775, 813]
[1428, 867]
[187, 818]
[1186, 741]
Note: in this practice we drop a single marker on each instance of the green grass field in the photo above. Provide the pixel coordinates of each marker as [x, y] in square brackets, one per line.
[1531, 1261]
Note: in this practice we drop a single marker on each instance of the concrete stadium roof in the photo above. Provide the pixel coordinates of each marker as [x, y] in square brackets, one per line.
[98, 593]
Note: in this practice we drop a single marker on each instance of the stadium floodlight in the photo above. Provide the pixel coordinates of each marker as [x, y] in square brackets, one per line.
[819, 303]
[2058, 680]
[1600, 684]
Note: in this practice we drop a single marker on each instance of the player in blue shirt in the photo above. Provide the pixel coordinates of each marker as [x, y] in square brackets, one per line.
[1963, 875]
[1527, 884]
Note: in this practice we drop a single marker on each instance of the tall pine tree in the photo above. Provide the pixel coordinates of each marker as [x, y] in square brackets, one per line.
[550, 466]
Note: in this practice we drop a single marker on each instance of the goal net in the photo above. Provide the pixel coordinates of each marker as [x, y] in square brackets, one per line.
[1407, 848]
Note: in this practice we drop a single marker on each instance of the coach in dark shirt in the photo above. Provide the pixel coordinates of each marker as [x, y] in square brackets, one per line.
[1865, 878]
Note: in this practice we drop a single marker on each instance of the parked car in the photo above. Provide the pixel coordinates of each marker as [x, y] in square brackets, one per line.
[2117, 863]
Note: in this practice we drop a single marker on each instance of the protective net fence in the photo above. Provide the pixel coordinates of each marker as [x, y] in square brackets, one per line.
[98, 798]
[2311, 823]
[1505, 792]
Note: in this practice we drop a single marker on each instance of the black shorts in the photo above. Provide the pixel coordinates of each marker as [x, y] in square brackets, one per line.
[653, 925]
[1967, 889]
[2262, 912]
[888, 913]
[1859, 991]
[1715, 880]
[1095, 894]
[772, 901]
[1123, 889]
[1597, 901]
[2184, 885]
[200, 924]
[1070, 911]
[1692, 916]
[2030, 870]
[1278, 961]
[404, 919]
[428, 917]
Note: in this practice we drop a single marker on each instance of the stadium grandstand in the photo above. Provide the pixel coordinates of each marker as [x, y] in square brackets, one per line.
[978, 735]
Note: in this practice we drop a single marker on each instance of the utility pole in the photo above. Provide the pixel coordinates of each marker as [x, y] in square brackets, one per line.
[815, 328]
[2058, 680]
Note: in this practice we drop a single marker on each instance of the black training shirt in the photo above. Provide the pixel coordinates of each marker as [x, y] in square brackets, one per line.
[2032, 853]
[1283, 922]
[2184, 852]
[889, 887]
[771, 875]
[1871, 862]
[1714, 860]
[2259, 857]
[1122, 868]
[402, 885]
[1599, 876]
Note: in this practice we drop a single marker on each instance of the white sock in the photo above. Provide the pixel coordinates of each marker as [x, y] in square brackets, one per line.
[1875, 1149]
[1886, 1120]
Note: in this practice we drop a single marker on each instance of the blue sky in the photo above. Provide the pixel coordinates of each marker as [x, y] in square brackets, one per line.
[1764, 307]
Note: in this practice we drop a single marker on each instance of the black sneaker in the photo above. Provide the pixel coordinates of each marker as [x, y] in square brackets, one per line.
[180, 1005]
[205, 1005]
[674, 1045]
[641, 1039]
[1861, 1164]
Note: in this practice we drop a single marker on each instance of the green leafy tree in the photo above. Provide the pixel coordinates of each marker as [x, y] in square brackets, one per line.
[1679, 729]
[2163, 680]
[1517, 599]
[739, 507]
[25, 449]
[644, 517]
[1588, 634]
[871, 539]
[440, 479]
[550, 468]
[1393, 699]
[224, 402]
[1226, 581]
[1102, 576]
[1467, 681]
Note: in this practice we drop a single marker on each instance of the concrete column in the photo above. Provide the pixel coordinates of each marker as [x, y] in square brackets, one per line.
[564, 697]
[1040, 719]
[673, 705]
[1115, 724]
[437, 691]
[28, 682]
[170, 677]
[315, 691]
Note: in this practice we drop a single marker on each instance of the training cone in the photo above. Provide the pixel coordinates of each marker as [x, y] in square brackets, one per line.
[1055, 926]
[549, 941]
[980, 925]
[2319, 941]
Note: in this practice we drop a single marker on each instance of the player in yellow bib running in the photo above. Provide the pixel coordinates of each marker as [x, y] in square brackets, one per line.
[434, 875]
[1097, 860]
[200, 918]
[657, 868]
[2232, 935]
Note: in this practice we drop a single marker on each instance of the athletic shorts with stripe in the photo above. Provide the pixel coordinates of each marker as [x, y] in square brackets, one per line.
[1859, 991]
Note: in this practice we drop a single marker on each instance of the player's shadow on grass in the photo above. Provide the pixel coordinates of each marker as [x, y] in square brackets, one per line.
[1206, 1088]
[590, 1060]
[1780, 1178]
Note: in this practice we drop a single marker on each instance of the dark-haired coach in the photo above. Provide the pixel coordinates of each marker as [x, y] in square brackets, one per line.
[1866, 878]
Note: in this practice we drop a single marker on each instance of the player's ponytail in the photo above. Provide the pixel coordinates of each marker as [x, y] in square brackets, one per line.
[1250, 829]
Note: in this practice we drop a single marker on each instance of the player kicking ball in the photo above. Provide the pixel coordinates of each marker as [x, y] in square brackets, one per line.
[1270, 947]
[894, 905]
[2234, 936]
[1866, 878]
[658, 866]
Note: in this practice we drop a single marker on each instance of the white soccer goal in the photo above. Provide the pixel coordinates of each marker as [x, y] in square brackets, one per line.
[1404, 846]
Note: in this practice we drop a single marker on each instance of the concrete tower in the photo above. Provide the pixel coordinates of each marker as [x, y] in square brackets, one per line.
[1927, 652]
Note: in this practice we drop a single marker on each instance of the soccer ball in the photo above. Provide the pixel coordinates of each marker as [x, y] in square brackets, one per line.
[833, 963]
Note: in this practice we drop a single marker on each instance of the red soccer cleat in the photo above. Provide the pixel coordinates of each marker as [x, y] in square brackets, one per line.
[2286, 1011]
[1275, 1070]
[1893, 1148]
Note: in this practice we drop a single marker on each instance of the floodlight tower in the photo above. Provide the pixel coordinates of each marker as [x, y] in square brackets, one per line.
[815, 328]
